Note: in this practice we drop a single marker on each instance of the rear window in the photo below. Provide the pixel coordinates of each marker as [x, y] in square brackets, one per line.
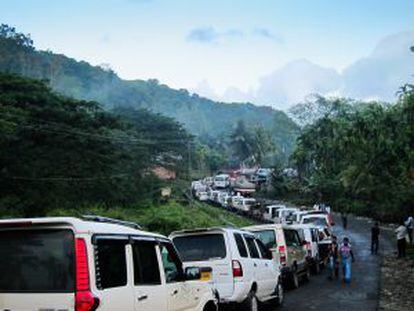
[317, 221]
[37, 261]
[201, 247]
[267, 237]
[292, 238]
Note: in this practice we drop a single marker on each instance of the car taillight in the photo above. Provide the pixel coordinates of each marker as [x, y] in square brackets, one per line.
[84, 298]
[237, 269]
[282, 253]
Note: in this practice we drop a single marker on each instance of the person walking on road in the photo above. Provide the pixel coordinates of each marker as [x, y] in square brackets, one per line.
[375, 232]
[344, 217]
[402, 235]
[410, 227]
[333, 255]
[347, 258]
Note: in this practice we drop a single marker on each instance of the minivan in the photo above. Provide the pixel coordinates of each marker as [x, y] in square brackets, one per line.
[94, 263]
[287, 250]
[243, 269]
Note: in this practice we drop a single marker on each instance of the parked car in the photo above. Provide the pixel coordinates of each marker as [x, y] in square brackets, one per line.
[94, 263]
[310, 234]
[297, 216]
[221, 181]
[270, 211]
[202, 196]
[321, 221]
[208, 181]
[283, 215]
[222, 199]
[263, 174]
[213, 196]
[287, 251]
[243, 270]
[244, 205]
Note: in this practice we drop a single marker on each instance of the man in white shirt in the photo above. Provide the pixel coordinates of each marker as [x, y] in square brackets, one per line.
[402, 233]
[410, 227]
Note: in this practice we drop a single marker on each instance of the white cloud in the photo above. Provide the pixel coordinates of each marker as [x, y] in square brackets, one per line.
[377, 76]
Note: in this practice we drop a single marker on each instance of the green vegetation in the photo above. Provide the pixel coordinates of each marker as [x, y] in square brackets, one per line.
[359, 157]
[200, 116]
[58, 151]
[163, 218]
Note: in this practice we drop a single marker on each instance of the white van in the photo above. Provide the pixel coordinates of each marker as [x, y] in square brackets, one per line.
[310, 234]
[244, 205]
[96, 263]
[270, 212]
[221, 181]
[243, 270]
[287, 250]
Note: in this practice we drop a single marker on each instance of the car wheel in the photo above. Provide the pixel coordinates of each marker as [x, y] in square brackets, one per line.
[294, 280]
[280, 294]
[251, 303]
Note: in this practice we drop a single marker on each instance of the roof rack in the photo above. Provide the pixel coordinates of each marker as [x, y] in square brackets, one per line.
[97, 218]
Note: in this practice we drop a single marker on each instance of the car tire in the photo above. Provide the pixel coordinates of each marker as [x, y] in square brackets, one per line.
[280, 294]
[294, 280]
[251, 303]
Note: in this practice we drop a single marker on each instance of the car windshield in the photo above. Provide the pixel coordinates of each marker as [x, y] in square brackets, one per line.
[201, 247]
[317, 221]
[37, 261]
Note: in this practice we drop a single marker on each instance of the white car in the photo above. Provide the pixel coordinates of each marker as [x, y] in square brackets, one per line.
[221, 181]
[94, 263]
[202, 196]
[243, 270]
[244, 205]
[310, 234]
[297, 216]
[284, 214]
[270, 212]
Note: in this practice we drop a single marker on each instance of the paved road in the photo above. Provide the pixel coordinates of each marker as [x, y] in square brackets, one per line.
[324, 295]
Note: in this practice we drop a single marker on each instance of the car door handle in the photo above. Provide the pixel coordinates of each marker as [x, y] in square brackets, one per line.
[142, 297]
[174, 292]
[255, 265]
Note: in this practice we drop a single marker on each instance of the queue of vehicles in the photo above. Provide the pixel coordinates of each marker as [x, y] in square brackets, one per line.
[96, 263]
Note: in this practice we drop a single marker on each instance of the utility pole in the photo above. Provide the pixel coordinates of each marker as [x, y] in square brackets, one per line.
[189, 173]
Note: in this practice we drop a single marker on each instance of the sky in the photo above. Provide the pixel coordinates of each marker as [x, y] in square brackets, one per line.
[269, 52]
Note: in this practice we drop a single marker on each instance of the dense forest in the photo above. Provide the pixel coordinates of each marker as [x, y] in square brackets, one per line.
[200, 116]
[359, 156]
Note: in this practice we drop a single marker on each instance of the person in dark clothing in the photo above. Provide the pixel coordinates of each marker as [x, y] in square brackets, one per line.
[333, 256]
[344, 217]
[375, 232]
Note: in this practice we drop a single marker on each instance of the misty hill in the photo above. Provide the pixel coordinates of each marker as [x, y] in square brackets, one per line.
[81, 80]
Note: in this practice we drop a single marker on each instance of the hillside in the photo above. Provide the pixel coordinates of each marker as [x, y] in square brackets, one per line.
[81, 80]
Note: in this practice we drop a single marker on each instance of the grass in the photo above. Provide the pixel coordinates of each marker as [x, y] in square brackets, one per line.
[164, 218]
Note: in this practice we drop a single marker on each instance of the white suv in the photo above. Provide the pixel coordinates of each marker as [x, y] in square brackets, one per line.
[243, 270]
[92, 264]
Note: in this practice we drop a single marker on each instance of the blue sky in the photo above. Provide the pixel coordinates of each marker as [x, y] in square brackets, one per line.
[215, 47]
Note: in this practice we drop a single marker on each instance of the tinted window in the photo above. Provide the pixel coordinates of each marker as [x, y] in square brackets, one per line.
[292, 238]
[315, 235]
[171, 263]
[146, 269]
[264, 252]
[316, 221]
[111, 263]
[201, 247]
[267, 237]
[240, 245]
[37, 261]
[254, 253]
